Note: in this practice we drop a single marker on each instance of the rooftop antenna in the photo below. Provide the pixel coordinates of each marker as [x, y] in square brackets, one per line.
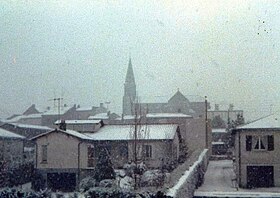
[58, 102]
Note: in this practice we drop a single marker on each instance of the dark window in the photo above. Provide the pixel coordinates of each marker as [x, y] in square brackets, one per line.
[91, 156]
[248, 142]
[147, 149]
[44, 153]
[270, 143]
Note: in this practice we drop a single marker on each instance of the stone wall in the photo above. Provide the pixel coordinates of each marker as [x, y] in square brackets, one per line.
[192, 178]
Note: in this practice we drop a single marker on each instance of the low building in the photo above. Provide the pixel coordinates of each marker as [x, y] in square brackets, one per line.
[65, 157]
[220, 140]
[82, 125]
[11, 148]
[257, 153]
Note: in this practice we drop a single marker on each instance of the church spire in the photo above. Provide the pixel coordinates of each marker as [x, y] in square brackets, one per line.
[129, 75]
[129, 90]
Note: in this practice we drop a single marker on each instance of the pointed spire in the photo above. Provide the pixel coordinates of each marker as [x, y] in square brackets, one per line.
[129, 75]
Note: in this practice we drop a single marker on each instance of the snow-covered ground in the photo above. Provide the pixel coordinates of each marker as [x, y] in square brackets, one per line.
[218, 183]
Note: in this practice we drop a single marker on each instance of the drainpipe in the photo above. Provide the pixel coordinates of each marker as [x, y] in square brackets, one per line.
[239, 159]
[36, 156]
[79, 152]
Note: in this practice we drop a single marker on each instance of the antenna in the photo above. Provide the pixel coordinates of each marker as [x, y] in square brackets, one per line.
[58, 102]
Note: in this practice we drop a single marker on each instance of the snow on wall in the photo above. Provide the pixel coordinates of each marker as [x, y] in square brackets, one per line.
[186, 179]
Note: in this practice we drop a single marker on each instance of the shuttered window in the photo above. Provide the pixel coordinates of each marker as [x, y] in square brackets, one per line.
[248, 142]
[270, 143]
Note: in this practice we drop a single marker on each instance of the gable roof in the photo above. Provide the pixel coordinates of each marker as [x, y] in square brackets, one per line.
[178, 96]
[31, 110]
[9, 135]
[67, 132]
[126, 132]
[268, 122]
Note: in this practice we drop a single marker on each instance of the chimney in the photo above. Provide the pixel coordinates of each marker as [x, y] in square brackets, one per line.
[217, 107]
[62, 125]
[230, 108]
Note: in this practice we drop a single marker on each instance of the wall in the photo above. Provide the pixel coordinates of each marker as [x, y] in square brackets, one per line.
[195, 134]
[191, 179]
[62, 151]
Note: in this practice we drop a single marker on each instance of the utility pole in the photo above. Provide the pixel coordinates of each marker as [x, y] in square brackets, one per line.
[206, 123]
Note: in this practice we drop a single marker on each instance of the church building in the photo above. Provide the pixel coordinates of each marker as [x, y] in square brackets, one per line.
[178, 103]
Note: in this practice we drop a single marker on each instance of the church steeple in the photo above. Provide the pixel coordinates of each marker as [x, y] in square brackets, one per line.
[129, 74]
[129, 90]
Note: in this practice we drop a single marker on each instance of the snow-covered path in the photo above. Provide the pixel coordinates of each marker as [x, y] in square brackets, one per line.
[219, 177]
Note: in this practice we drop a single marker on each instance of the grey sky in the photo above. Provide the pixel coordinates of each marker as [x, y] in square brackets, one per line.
[227, 50]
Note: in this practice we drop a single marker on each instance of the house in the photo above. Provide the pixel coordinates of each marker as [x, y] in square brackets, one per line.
[220, 140]
[82, 125]
[257, 153]
[65, 157]
[156, 143]
[30, 116]
[11, 148]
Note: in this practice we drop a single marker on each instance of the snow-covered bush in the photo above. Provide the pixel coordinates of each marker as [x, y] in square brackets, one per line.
[126, 183]
[152, 178]
[129, 168]
[15, 193]
[87, 183]
[108, 193]
[107, 183]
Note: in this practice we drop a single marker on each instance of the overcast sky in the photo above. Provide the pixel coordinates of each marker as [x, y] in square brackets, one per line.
[79, 50]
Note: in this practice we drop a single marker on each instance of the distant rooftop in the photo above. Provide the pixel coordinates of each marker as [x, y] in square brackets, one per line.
[79, 121]
[9, 135]
[99, 116]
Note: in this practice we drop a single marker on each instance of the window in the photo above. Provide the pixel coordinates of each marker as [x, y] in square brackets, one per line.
[91, 156]
[147, 149]
[44, 153]
[260, 143]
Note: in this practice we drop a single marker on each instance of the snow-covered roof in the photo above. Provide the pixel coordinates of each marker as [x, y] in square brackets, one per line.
[68, 132]
[99, 116]
[219, 130]
[268, 122]
[126, 132]
[84, 109]
[167, 115]
[127, 117]
[79, 121]
[31, 126]
[9, 135]
[19, 117]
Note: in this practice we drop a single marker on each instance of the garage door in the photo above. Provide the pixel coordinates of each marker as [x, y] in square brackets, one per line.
[260, 176]
[62, 181]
